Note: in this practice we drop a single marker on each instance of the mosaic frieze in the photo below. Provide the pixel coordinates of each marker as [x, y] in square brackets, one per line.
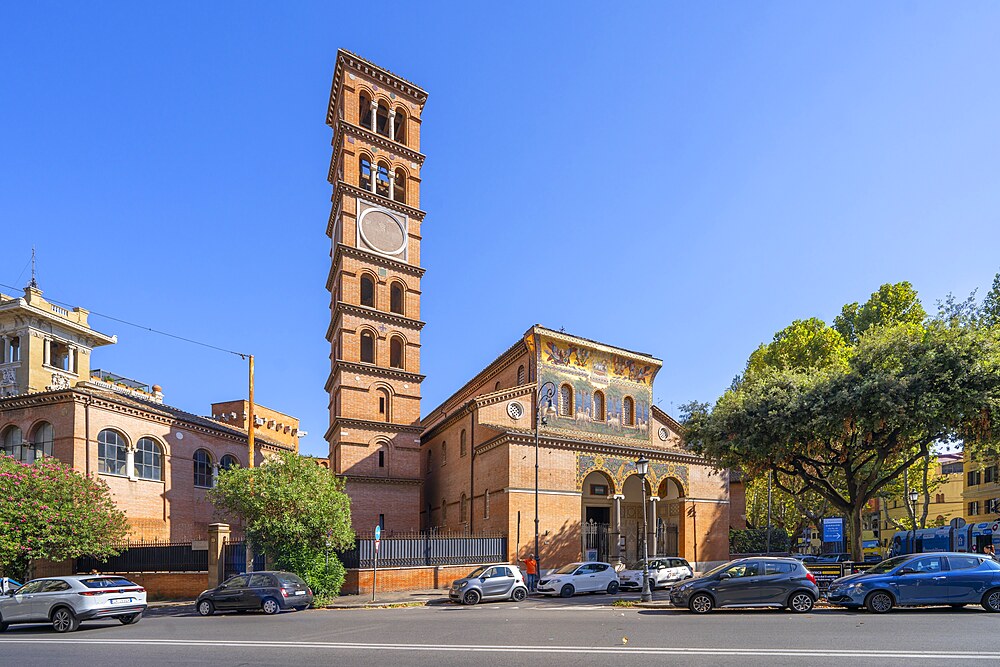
[619, 469]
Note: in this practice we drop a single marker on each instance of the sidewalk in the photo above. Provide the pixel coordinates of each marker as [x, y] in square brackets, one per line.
[391, 599]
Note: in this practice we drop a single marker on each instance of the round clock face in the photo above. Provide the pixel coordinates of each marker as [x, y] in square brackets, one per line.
[663, 433]
[515, 410]
[382, 232]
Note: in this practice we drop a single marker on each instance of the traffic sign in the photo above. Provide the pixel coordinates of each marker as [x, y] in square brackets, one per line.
[378, 533]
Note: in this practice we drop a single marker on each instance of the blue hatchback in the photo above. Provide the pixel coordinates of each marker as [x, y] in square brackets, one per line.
[955, 579]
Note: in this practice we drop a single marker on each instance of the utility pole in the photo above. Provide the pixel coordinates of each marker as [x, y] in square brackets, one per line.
[251, 419]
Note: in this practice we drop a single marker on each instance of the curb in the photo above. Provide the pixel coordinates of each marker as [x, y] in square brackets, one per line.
[399, 604]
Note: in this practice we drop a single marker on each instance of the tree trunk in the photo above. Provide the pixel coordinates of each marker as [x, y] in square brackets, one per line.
[857, 550]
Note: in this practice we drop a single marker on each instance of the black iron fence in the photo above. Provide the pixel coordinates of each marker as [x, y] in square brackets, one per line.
[425, 549]
[150, 557]
[234, 559]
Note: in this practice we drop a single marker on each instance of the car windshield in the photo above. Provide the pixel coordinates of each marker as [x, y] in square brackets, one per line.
[887, 565]
[568, 569]
[719, 569]
[106, 582]
[288, 579]
[478, 572]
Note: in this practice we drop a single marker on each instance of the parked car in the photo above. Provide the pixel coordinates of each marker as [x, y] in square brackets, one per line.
[66, 601]
[663, 572]
[750, 582]
[833, 558]
[268, 591]
[490, 582]
[949, 578]
[575, 578]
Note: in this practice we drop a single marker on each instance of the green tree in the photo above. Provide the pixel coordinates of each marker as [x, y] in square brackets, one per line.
[891, 304]
[845, 428]
[293, 510]
[989, 312]
[48, 510]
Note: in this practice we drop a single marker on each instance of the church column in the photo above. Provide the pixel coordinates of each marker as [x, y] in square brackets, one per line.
[71, 360]
[374, 117]
[47, 352]
[392, 182]
[651, 527]
[392, 124]
[374, 175]
[616, 528]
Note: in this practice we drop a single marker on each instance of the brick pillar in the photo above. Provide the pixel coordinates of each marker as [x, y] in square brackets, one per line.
[218, 534]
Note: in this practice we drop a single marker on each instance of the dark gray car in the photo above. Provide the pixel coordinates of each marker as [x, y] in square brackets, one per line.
[750, 582]
[490, 582]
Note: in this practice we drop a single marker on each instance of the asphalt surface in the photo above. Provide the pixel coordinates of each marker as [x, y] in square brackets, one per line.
[553, 632]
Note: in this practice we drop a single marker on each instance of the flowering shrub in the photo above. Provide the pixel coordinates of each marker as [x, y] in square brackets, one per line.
[48, 510]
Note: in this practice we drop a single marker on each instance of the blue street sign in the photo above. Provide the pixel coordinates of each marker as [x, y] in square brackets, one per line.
[833, 530]
[378, 532]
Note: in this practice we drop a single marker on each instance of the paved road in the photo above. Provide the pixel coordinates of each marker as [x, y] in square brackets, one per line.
[554, 633]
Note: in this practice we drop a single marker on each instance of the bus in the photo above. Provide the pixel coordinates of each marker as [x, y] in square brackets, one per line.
[960, 536]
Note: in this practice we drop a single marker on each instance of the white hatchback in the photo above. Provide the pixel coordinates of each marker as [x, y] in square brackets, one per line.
[575, 578]
[663, 573]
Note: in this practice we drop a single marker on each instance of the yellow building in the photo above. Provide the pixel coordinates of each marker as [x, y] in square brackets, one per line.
[981, 491]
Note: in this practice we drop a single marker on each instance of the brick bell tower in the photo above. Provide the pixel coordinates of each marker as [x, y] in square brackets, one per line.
[374, 283]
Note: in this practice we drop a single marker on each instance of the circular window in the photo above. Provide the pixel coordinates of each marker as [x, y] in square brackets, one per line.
[663, 433]
[515, 410]
[382, 232]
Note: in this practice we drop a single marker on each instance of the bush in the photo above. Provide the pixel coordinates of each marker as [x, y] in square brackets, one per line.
[324, 575]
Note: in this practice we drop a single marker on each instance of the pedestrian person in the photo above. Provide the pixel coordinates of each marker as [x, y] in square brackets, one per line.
[530, 571]
[990, 550]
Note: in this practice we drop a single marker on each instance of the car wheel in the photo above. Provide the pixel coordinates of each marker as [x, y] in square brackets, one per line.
[879, 602]
[701, 603]
[206, 608]
[64, 620]
[991, 601]
[801, 602]
[130, 619]
[567, 591]
[3, 626]
[471, 597]
[519, 594]
[270, 606]
[613, 587]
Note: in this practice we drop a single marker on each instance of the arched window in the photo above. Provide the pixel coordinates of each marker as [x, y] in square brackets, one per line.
[444, 452]
[520, 374]
[365, 110]
[396, 352]
[367, 290]
[399, 129]
[599, 407]
[463, 510]
[496, 387]
[13, 350]
[628, 411]
[384, 407]
[382, 182]
[42, 439]
[13, 443]
[461, 444]
[396, 296]
[203, 474]
[381, 456]
[382, 120]
[566, 401]
[228, 461]
[367, 347]
[111, 452]
[399, 186]
[364, 173]
[148, 460]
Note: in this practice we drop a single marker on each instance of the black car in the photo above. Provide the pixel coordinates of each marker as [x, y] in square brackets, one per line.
[268, 591]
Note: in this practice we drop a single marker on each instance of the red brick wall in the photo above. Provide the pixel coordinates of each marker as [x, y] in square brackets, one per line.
[168, 585]
[359, 582]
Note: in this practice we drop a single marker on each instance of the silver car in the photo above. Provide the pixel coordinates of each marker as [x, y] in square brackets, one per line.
[490, 582]
[65, 601]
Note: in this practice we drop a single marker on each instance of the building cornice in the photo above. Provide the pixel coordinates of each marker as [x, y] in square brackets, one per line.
[342, 188]
[366, 369]
[373, 258]
[527, 438]
[668, 420]
[97, 337]
[347, 60]
[368, 425]
[406, 481]
[395, 149]
[593, 344]
[372, 314]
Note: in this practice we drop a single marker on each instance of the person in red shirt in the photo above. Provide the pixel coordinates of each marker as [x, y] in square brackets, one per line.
[531, 572]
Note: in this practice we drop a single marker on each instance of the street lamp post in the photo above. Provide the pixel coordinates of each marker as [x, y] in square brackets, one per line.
[545, 392]
[642, 467]
[913, 507]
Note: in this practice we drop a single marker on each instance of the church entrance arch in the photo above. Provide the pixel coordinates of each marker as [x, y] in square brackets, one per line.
[596, 501]
[668, 517]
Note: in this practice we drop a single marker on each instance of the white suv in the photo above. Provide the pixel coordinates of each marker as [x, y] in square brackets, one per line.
[65, 601]
[580, 578]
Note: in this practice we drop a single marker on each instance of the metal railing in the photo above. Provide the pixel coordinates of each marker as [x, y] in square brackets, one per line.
[234, 559]
[427, 549]
[149, 557]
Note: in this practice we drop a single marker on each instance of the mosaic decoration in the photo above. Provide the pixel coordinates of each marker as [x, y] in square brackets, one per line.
[619, 469]
[588, 371]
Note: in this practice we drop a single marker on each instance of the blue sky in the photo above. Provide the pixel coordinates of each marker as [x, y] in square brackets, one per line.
[680, 179]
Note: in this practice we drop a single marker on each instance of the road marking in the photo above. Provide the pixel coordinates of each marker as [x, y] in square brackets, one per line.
[485, 648]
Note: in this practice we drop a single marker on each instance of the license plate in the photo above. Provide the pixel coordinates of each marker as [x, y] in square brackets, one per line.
[122, 600]
[300, 592]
